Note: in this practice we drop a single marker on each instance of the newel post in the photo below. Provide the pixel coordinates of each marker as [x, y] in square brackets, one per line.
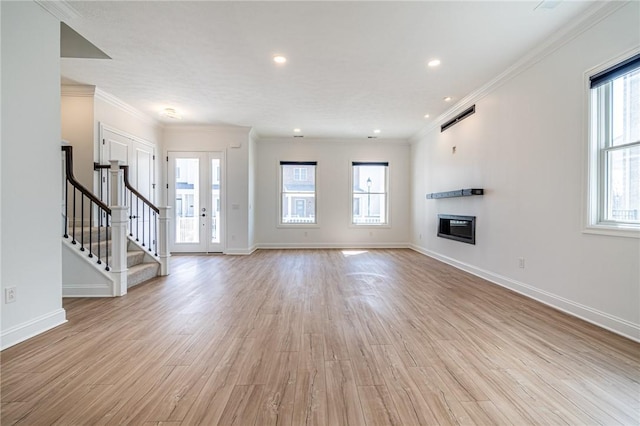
[119, 222]
[163, 240]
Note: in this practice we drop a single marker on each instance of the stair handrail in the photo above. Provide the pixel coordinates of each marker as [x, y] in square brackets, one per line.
[70, 179]
[147, 238]
[127, 184]
[68, 159]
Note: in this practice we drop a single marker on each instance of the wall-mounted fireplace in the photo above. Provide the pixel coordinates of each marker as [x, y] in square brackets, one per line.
[459, 228]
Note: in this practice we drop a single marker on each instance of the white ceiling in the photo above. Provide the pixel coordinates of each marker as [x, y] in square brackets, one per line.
[352, 66]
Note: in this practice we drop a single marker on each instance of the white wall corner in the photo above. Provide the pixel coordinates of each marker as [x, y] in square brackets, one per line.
[594, 14]
[125, 107]
[77, 90]
[61, 9]
[601, 319]
[31, 328]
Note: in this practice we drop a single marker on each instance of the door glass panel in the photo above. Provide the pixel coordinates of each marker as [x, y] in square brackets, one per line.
[187, 203]
[215, 200]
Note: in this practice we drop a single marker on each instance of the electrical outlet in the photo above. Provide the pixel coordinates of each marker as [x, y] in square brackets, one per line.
[420, 236]
[521, 262]
[305, 233]
[10, 294]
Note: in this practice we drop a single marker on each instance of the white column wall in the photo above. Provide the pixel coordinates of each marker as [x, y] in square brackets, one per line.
[31, 171]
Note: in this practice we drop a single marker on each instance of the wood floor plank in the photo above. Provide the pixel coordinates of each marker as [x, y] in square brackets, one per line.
[319, 337]
[342, 395]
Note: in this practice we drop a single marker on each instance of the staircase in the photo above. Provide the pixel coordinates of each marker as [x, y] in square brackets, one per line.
[110, 247]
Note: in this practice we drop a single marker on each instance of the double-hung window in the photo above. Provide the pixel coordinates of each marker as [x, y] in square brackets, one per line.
[615, 146]
[298, 192]
[369, 193]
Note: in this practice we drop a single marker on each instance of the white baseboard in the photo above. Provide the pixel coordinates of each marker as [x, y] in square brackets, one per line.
[32, 328]
[241, 252]
[301, 246]
[87, 290]
[601, 319]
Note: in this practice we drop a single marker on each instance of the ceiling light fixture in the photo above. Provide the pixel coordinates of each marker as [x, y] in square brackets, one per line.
[279, 59]
[434, 62]
[426, 116]
[376, 131]
[171, 113]
[447, 99]
[296, 130]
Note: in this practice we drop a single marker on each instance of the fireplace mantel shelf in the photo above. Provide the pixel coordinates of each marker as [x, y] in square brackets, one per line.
[457, 193]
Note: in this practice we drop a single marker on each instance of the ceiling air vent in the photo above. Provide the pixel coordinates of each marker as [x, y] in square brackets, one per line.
[455, 120]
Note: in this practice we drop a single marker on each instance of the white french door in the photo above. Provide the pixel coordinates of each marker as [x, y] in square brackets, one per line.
[195, 195]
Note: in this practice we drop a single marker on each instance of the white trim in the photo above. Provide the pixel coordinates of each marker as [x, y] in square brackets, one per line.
[241, 252]
[78, 90]
[604, 320]
[61, 9]
[87, 290]
[592, 184]
[125, 107]
[31, 328]
[280, 246]
[593, 15]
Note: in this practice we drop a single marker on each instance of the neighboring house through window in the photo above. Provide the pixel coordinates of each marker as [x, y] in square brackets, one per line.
[298, 192]
[614, 182]
[369, 192]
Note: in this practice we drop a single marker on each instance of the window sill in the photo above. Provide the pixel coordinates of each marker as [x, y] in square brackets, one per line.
[627, 231]
[370, 226]
[297, 225]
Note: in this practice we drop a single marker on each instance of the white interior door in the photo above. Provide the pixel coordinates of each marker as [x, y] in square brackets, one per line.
[139, 155]
[195, 194]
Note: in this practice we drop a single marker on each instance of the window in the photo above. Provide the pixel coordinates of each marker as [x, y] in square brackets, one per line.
[615, 146]
[299, 173]
[297, 192]
[369, 193]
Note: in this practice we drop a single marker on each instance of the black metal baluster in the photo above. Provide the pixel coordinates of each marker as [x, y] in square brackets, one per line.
[73, 237]
[137, 219]
[130, 214]
[90, 228]
[149, 228]
[155, 225]
[82, 222]
[99, 232]
[106, 257]
[142, 224]
[66, 208]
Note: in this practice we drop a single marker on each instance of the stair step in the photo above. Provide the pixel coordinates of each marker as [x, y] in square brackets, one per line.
[134, 258]
[140, 273]
[105, 233]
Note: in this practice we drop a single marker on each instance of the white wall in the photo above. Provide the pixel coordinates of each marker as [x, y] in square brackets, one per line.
[77, 120]
[31, 173]
[83, 109]
[334, 157]
[234, 143]
[526, 146]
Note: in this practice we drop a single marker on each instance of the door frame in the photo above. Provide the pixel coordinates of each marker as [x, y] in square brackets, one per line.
[170, 173]
[102, 155]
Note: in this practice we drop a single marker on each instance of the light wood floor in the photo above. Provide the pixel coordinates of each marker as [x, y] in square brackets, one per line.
[384, 337]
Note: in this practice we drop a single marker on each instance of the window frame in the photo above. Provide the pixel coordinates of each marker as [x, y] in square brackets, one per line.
[596, 182]
[281, 193]
[387, 223]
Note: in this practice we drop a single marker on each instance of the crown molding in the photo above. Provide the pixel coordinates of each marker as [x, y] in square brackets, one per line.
[78, 90]
[593, 15]
[61, 9]
[125, 107]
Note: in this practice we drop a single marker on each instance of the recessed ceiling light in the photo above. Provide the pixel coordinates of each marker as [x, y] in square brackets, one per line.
[447, 99]
[426, 116]
[376, 131]
[171, 113]
[296, 130]
[434, 62]
[279, 59]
